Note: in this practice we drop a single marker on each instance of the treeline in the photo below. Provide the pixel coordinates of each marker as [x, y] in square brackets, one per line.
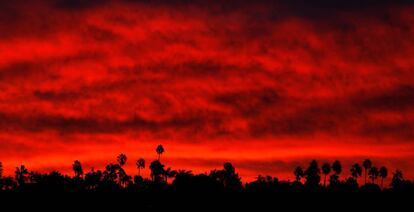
[114, 178]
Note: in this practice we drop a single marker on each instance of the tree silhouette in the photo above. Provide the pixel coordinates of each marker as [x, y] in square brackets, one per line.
[397, 179]
[337, 169]
[326, 169]
[356, 171]
[77, 168]
[367, 164]
[159, 150]
[21, 175]
[168, 173]
[122, 158]
[157, 170]
[111, 172]
[124, 178]
[140, 165]
[373, 174]
[312, 174]
[114, 179]
[383, 173]
[227, 177]
[93, 178]
[299, 173]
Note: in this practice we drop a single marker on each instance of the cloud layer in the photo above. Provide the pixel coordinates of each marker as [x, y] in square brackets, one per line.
[82, 77]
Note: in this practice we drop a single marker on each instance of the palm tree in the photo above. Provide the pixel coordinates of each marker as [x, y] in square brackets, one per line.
[124, 178]
[326, 169]
[157, 169]
[159, 150]
[356, 171]
[373, 173]
[312, 174]
[169, 173]
[337, 167]
[383, 173]
[77, 168]
[397, 178]
[299, 173]
[21, 175]
[367, 164]
[122, 158]
[140, 165]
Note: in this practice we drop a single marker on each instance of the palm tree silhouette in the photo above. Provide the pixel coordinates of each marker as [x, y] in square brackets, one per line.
[122, 158]
[383, 173]
[157, 169]
[299, 173]
[367, 164]
[326, 169]
[312, 174]
[373, 173]
[169, 173]
[397, 178]
[140, 165]
[77, 168]
[159, 150]
[356, 171]
[337, 167]
[21, 175]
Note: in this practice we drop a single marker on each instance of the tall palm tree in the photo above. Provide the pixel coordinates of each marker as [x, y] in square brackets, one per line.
[140, 165]
[299, 173]
[383, 173]
[326, 169]
[21, 175]
[367, 164]
[122, 158]
[159, 150]
[356, 171]
[77, 168]
[373, 173]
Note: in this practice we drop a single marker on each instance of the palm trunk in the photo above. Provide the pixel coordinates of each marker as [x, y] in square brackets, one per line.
[159, 155]
[139, 171]
[324, 182]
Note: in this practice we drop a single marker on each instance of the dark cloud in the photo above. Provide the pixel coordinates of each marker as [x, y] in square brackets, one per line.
[396, 99]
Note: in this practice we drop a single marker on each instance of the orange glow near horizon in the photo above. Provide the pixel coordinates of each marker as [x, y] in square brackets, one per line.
[266, 86]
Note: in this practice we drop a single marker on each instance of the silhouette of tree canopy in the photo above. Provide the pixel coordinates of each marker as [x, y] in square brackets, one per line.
[356, 171]
[77, 168]
[157, 171]
[312, 174]
[367, 164]
[326, 169]
[122, 158]
[299, 173]
[113, 178]
[21, 175]
[140, 165]
[373, 174]
[383, 173]
[159, 150]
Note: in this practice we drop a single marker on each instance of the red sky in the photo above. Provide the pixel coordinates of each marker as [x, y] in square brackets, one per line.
[267, 85]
